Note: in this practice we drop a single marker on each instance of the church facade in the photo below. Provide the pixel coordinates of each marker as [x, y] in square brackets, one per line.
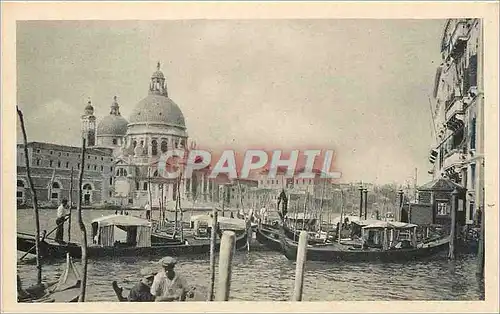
[132, 149]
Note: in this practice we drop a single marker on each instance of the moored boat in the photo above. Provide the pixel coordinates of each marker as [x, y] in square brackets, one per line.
[269, 236]
[374, 246]
[121, 235]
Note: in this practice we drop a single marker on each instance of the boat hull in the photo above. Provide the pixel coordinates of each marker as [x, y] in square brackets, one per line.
[343, 253]
[51, 249]
[269, 237]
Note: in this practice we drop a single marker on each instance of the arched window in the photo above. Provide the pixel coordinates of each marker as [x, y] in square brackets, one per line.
[183, 142]
[121, 172]
[115, 141]
[124, 172]
[164, 146]
[134, 143]
[87, 187]
[137, 185]
[145, 186]
[56, 185]
[154, 147]
[117, 172]
[20, 183]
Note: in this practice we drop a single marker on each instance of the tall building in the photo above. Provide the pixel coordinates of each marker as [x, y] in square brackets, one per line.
[458, 112]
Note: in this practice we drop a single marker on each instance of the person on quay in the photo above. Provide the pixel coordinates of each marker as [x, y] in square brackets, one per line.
[141, 292]
[147, 207]
[62, 214]
[168, 285]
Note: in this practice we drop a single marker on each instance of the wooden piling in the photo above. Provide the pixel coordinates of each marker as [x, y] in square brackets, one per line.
[226, 253]
[300, 266]
[70, 204]
[82, 228]
[453, 225]
[360, 202]
[34, 199]
[480, 253]
[365, 191]
[213, 237]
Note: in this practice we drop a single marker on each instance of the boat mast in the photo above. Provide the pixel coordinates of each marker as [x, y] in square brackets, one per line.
[341, 214]
[321, 205]
[305, 210]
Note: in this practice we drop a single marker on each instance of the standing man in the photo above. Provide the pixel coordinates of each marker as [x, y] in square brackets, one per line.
[147, 207]
[168, 285]
[141, 292]
[263, 214]
[61, 217]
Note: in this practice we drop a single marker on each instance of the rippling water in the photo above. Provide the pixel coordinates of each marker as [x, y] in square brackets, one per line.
[268, 276]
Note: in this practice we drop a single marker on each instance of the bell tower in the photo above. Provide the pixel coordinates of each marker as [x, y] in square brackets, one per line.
[88, 121]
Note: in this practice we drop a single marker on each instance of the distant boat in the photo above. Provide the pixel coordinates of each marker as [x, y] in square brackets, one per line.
[121, 235]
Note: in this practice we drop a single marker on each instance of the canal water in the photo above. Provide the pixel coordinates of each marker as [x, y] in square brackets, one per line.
[268, 276]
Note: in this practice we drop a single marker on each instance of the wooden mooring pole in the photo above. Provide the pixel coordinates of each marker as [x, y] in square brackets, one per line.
[360, 202]
[34, 199]
[300, 266]
[227, 247]
[82, 228]
[70, 204]
[453, 225]
[213, 237]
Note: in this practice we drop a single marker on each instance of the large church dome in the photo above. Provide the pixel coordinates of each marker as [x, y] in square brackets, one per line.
[157, 108]
[113, 124]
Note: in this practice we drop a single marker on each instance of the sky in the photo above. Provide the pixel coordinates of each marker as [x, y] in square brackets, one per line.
[359, 87]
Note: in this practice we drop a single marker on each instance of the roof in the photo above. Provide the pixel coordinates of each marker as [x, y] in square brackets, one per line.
[65, 148]
[441, 184]
[112, 125]
[158, 109]
[121, 220]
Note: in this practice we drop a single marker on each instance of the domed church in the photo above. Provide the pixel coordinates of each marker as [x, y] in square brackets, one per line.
[155, 126]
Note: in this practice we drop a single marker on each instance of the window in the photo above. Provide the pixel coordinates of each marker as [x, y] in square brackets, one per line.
[442, 208]
[59, 154]
[114, 141]
[95, 167]
[88, 166]
[67, 154]
[56, 185]
[51, 163]
[55, 195]
[51, 152]
[164, 146]
[88, 156]
[471, 210]
[20, 183]
[95, 157]
[154, 147]
[137, 185]
[102, 158]
[117, 172]
[111, 180]
[78, 165]
[102, 168]
[145, 186]
[38, 151]
[473, 134]
[67, 164]
[19, 194]
[473, 176]
[38, 162]
[58, 164]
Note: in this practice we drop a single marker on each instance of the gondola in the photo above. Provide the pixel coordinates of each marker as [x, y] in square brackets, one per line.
[119, 235]
[334, 252]
[269, 236]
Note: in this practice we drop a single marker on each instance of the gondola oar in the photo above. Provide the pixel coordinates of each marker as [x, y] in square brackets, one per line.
[45, 236]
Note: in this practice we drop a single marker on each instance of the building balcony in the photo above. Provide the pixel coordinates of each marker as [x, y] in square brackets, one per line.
[454, 115]
[454, 159]
[459, 38]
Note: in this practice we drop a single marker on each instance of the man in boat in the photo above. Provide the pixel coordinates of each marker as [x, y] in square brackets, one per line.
[141, 292]
[147, 207]
[62, 214]
[168, 285]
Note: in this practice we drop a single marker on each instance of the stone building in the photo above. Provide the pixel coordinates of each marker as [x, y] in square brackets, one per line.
[51, 165]
[458, 111]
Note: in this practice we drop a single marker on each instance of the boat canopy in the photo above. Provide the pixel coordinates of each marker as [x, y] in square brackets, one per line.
[389, 225]
[121, 220]
[121, 230]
